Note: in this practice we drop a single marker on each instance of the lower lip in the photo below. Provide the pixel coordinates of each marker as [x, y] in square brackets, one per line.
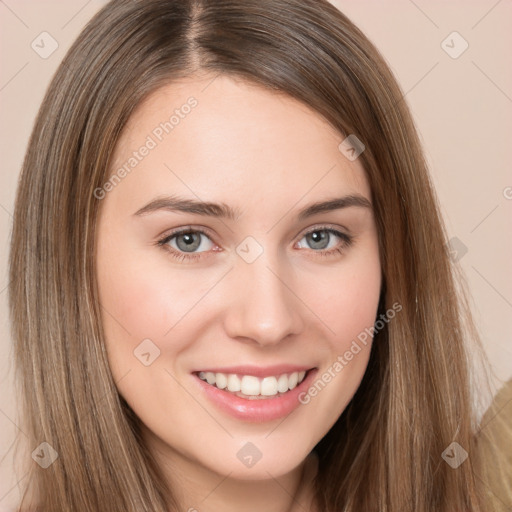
[259, 410]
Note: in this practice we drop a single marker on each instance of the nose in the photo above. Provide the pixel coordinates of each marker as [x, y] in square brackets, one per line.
[263, 307]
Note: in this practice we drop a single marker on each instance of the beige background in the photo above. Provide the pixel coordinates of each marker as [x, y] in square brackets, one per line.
[462, 107]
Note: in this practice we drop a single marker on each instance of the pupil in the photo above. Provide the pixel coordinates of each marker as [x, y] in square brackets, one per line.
[318, 237]
[188, 241]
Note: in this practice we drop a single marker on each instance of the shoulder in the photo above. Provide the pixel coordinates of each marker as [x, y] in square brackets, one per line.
[493, 441]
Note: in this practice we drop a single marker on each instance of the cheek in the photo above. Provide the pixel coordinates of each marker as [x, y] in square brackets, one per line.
[346, 300]
[136, 305]
[143, 300]
[140, 301]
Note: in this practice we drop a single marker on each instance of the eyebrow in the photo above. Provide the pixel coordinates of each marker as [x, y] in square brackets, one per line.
[222, 210]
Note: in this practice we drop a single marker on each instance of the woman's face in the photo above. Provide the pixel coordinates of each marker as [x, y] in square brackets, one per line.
[249, 300]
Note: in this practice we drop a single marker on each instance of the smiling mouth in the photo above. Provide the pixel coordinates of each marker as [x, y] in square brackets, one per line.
[251, 387]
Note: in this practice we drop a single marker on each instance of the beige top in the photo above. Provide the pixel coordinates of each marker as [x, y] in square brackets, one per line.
[494, 441]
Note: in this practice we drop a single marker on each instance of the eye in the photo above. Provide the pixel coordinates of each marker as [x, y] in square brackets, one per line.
[319, 239]
[183, 244]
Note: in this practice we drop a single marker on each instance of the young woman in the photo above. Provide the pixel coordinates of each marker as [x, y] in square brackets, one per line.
[229, 284]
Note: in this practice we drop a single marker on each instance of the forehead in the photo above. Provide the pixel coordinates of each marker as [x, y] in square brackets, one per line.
[221, 137]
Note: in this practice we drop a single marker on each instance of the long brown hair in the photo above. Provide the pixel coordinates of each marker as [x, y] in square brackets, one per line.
[384, 452]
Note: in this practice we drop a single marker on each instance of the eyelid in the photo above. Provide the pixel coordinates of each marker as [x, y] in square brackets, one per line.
[166, 238]
[326, 225]
[208, 233]
[344, 234]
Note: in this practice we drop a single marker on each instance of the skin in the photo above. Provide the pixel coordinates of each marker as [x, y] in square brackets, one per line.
[269, 156]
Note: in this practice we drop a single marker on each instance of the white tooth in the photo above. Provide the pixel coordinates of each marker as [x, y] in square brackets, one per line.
[233, 383]
[221, 381]
[269, 386]
[282, 383]
[292, 380]
[250, 385]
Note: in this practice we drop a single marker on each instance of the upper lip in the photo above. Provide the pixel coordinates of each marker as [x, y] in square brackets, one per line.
[258, 371]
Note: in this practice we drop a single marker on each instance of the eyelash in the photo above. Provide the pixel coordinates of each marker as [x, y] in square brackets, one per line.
[347, 241]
